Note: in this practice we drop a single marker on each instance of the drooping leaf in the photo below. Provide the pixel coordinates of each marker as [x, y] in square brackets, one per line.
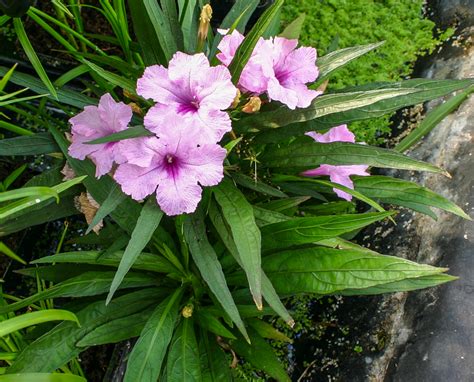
[183, 362]
[146, 358]
[207, 321]
[310, 230]
[238, 213]
[147, 223]
[206, 260]
[87, 284]
[404, 193]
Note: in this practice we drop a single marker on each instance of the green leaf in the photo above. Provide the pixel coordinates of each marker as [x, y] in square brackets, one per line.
[284, 204]
[404, 193]
[330, 271]
[238, 213]
[8, 252]
[243, 53]
[41, 377]
[300, 231]
[432, 119]
[261, 355]
[131, 132]
[170, 12]
[14, 175]
[30, 52]
[6, 77]
[87, 284]
[118, 330]
[36, 144]
[293, 30]
[26, 192]
[112, 78]
[57, 347]
[68, 97]
[115, 197]
[268, 291]
[144, 261]
[214, 362]
[30, 319]
[146, 358]
[266, 330]
[147, 223]
[264, 216]
[247, 182]
[341, 57]
[206, 260]
[207, 321]
[426, 90]
[402, 286]
[183, 362]
[300, 156]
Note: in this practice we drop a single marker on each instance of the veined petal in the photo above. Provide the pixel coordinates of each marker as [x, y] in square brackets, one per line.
[156, 84]
[136, 181]
[279, 93]
[213, 124]
[177, 196]
[187, 67]
[115, 115]
[216, 88]
[103, 160]
[300, 65]
[205, 163]
[336, 134]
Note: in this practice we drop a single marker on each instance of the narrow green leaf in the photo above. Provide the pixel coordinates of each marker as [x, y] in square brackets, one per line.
[14, 175]
[300, 231]
[131, 132]
[303, 156]
[112, 78]
[243, 53]
[115, 197]
[247, 182]
[35, 318]
[30, 52]
[328, 271]
[207, 321]
[238, 213]
[183, 363]
[8, 252]
[71, 75]
[146, 358]
[147, 223]
[432, 119]
[214, 362]
[206, 260]
[293, 29]
[342, 57]
[404, 193]
[261, 355]
[6, 77]
[41, 377]
[28, 192]
[87, 284]
[266, 330]
[36, 144]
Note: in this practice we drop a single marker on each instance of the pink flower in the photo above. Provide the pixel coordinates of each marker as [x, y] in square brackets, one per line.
[252, 80]
[290, 71]
[95, 122]
[192, 90]
[174, 165]
[337, 174]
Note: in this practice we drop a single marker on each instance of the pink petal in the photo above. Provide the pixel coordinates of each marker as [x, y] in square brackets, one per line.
[103, 160]
[135, 151]
[336, 134]
[229, 45]
[178, 196]
[279, 93]
[116, 115]
[138, 182]
[300, 65]
[156, 84]
[305, 95]
[187, 67]
[344, 180]
[78, 149]
[282, 48]
[162, 117]
[213, 125]
[205, 164]
[87, 122]
[217, 90]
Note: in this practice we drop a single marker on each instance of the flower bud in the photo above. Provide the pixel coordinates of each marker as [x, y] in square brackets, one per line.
[187, 311]
[135, 108]
[253, 105]
[204, 22]
[236, 100]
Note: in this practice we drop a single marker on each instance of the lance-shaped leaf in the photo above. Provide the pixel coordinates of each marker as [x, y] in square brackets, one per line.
[58, 346]
[303, 156]
[36, 144]
[41, 377]
[146, 358]
[293, 29]
[238, 213]
[87, 284]
[328, 271]
[131, 132]
[147, 223]
[300, 231]
[115, 197]
[206, 260]
[404, 193]
[183, 362]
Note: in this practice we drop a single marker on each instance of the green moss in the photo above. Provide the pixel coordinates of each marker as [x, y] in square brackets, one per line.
[399, 23]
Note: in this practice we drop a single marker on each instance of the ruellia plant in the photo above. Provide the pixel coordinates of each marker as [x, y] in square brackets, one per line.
[217, 178]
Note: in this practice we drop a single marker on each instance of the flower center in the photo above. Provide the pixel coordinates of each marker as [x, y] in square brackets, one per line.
[171, 164]
[189, 106]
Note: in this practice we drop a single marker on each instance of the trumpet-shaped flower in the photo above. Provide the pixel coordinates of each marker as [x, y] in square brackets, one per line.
[337, 174]
[174, 165]
[189, 89]
[96, 122]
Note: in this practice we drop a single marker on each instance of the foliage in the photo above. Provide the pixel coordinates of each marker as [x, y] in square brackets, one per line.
[195, 288]
[407, 35]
